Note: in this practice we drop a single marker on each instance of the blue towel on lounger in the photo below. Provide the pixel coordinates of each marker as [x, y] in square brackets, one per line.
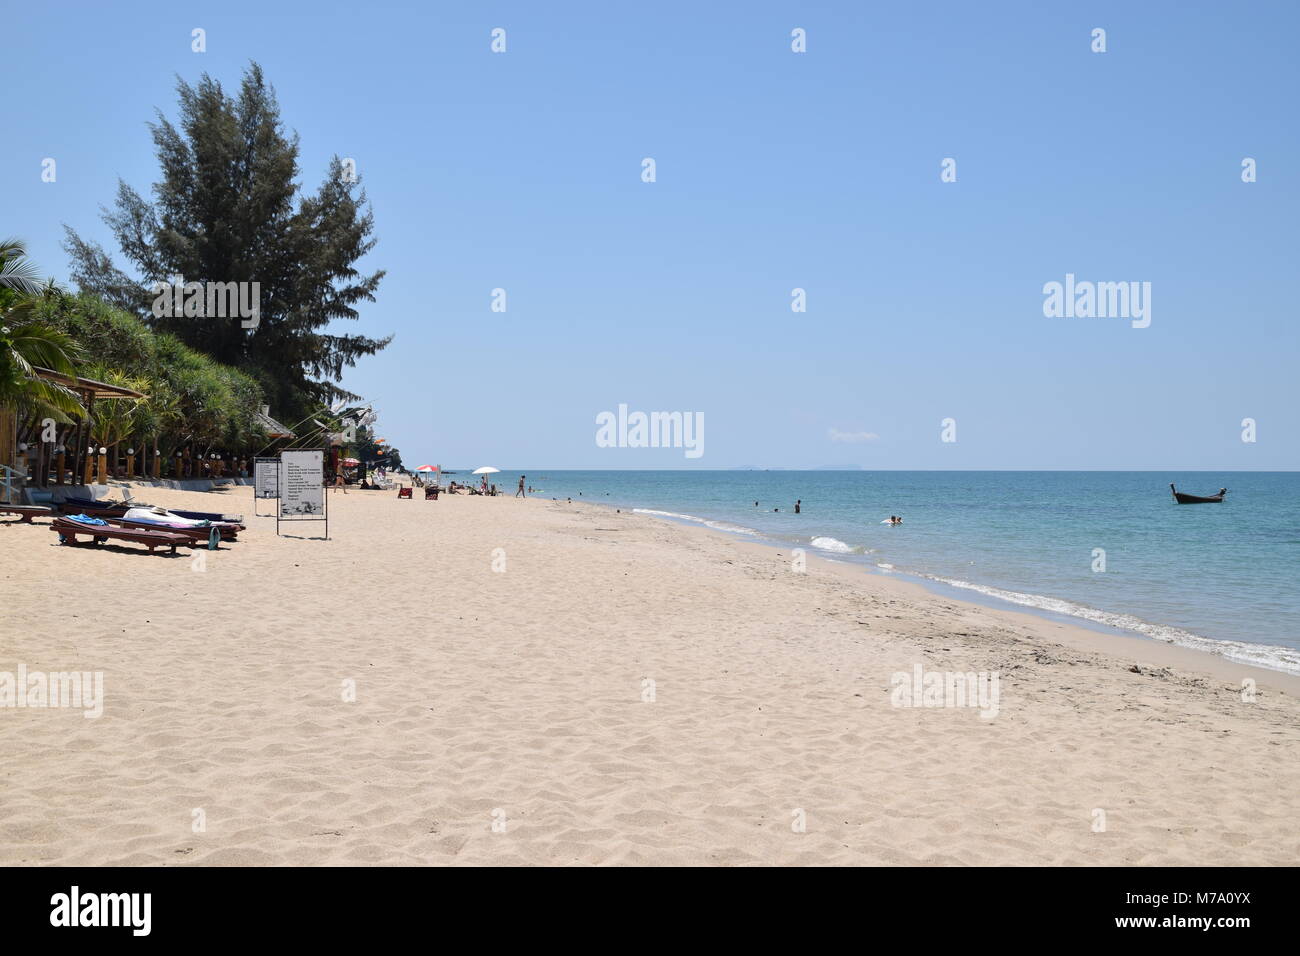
[86, 519]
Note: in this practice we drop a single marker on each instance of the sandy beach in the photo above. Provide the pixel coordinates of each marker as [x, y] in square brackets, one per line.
[539, 682]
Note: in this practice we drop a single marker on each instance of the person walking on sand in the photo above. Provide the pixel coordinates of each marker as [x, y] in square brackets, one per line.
[520, 492]
[339, 482]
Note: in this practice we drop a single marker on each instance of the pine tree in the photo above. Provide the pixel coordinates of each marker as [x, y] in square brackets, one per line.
[228, 209]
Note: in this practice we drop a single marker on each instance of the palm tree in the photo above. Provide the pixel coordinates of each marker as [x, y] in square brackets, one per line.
[117, 419]
[17, 272]
[26, 343]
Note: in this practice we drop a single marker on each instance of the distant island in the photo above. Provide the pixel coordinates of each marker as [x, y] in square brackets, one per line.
[778, 468]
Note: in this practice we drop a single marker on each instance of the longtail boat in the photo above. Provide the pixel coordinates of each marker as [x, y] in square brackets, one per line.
[1183, 499]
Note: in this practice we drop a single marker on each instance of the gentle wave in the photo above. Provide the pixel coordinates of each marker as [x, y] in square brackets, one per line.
[1272, 656]
[708, 523]
[834, 544]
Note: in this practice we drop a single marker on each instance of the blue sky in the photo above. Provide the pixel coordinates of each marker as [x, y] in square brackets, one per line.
[775, 170]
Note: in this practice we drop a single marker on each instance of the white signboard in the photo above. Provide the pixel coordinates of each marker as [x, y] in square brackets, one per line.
[302, 484]
[266, 477]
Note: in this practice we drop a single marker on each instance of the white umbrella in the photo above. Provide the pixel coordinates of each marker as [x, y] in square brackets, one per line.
[486, 470]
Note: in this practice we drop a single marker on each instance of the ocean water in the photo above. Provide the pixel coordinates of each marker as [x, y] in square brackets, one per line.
[1224, 578]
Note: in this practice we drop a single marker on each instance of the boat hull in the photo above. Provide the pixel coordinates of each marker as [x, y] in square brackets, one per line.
[1183, 499]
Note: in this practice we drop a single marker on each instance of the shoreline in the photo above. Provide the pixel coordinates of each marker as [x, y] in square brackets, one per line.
[1091, 635]
[990, 596]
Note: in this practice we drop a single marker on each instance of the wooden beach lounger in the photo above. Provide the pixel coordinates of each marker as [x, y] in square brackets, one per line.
[207, 516]
[162, 520]
[102, 508]
[70, 530]
[27, 512]
[198, 537]
[96, 509]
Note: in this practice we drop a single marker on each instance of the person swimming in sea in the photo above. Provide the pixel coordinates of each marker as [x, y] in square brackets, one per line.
[797, 505]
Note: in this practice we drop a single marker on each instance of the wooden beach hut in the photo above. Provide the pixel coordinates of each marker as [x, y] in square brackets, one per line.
[42, 462]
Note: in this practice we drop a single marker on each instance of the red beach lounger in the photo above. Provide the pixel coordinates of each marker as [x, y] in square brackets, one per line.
[404, 492]
[96, 509]
[197, 537]
[68, 531]
[27, 512]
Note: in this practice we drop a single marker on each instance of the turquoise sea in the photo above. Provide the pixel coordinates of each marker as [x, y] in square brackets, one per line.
[1219, 577]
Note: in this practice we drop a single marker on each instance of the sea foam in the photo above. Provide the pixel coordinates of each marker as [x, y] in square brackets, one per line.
[1271, 656]
[834, 544]
[708, 523]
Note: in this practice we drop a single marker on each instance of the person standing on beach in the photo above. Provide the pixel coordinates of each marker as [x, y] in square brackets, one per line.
[520, 492]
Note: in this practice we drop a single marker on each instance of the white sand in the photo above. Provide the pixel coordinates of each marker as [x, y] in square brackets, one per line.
[522, 692]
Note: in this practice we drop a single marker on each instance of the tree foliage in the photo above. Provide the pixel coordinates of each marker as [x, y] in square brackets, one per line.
[191, 399]
[227, 209]
[26, 343]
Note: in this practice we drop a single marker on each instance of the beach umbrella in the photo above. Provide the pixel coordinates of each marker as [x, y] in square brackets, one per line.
[350, 462]
[486, 470]
[426, 468]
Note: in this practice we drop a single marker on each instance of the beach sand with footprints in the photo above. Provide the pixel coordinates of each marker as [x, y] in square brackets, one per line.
[494, 680]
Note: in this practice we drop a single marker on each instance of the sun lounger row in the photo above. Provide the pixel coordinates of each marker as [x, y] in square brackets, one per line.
[100, 509]
[130, 521]
[152, 527]
[159, 516]
[430, 494]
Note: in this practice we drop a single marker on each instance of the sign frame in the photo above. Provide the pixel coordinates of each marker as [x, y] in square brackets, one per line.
[260, 465]
[281, 485]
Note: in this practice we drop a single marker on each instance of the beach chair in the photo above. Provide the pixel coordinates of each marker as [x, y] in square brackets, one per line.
[167, 520]
[206, 516]
[404, 493]
[431, 493]
[197, 537]
[69, 530]
[26, 512]
[93, 507]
